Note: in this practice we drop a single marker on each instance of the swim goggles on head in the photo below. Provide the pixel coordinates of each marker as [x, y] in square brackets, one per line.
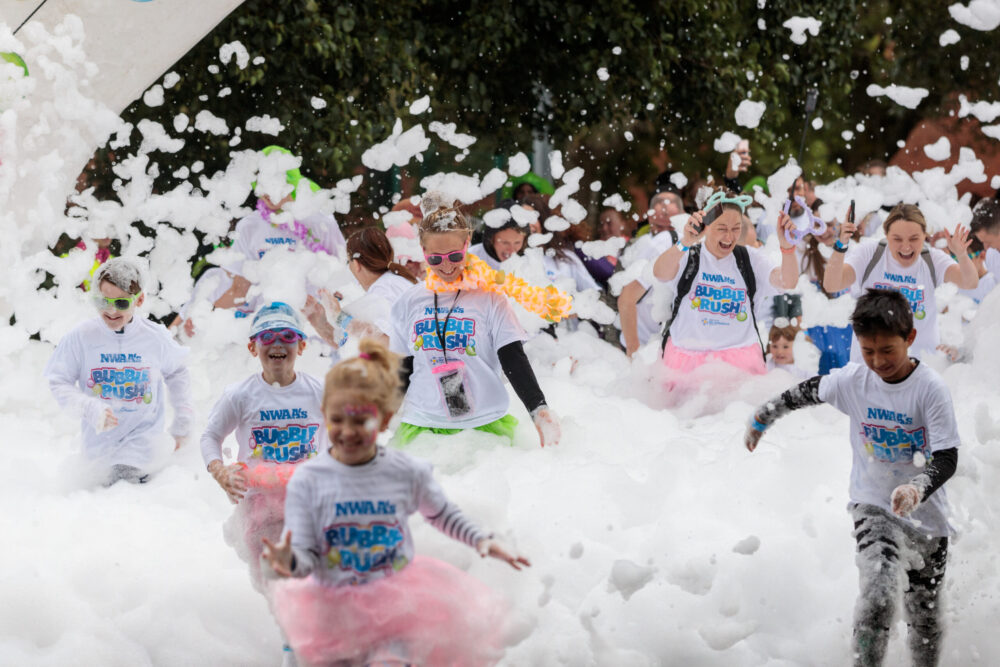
[117, 302]
[722, 197]
[713, 206]
[268, 336]
[816, 226]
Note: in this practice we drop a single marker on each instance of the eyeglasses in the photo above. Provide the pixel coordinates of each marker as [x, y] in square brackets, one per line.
[118, 303]
[435, 258]
[287, 336]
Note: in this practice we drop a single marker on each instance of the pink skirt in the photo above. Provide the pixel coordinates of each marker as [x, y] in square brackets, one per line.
[749, 358]
[429, 613]
[260, 514]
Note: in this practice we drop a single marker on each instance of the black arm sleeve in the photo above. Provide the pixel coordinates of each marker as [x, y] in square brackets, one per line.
[515, 366]
[802, 395]
[405, 371]
[940, 468]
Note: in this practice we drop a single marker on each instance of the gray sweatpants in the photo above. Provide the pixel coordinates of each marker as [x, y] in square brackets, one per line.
[889, 551]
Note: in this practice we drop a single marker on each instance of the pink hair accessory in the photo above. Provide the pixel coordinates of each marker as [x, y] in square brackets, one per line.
[365, 356]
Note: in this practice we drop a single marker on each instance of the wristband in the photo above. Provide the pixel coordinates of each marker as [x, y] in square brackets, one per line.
[342, 320]
[788, 251]
[839, 246]
[682, 247]
[758, 426]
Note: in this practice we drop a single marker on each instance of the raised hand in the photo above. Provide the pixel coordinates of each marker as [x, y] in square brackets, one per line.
[958, 242]
[785, 228]
[693, 229]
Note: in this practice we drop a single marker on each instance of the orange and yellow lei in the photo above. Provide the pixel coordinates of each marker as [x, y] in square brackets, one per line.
[547, 302]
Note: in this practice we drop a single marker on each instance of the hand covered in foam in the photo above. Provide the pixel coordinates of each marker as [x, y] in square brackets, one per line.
[492, 548]
[905, 499]
[547, 425]
[105, 420]
[232, 479]
[753, 434]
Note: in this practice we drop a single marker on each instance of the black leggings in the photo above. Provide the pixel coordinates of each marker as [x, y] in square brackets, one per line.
[888, 549]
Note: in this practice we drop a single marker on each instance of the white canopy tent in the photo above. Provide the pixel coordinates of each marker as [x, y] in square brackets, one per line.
[88, 60]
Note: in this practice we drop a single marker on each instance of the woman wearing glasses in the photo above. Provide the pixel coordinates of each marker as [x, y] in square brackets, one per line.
[111, 371]
[456, 332]
[278, 418]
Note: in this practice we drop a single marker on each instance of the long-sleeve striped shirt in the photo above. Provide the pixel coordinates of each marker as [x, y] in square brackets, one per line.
[349, 523]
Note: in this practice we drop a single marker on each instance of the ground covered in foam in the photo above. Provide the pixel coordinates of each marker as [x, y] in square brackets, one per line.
[655, 538]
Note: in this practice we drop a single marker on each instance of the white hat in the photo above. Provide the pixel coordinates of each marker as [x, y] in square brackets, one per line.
[275, 316]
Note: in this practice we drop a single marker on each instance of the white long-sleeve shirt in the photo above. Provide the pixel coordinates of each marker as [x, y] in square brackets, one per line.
[273, 424]
[349, 523]
[94, 368]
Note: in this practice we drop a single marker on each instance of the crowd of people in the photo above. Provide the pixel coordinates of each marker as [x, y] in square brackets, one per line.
[321, 507]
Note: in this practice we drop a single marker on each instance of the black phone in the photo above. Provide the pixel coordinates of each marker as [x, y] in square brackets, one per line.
[850, 213]
[710, 217]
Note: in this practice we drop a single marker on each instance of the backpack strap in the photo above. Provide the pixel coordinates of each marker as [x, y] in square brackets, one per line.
[925, 254]
[742, 256]
[879, 251]
[683, 287]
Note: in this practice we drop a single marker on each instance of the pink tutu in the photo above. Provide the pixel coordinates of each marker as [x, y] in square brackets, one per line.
[747, 358]
[697, 378]
[430, 613]
[260, 514]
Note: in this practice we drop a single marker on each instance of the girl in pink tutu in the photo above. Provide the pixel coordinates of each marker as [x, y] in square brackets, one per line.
[357, 592]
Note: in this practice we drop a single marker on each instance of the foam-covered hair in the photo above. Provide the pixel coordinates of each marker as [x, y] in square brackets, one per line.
[122, 272]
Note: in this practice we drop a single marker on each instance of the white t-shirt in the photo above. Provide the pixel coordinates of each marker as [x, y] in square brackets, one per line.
[646, 249]
[376, 304]
[273, 424]
[479, 325]
[569, 266]
[349, 523]
[889, 424]
[479, 250]
[913, 281]
[715, 314]
[255, 236]
[94, 368]
[988, 281]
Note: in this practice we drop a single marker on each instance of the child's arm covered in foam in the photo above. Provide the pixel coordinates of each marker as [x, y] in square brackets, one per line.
[801, 395]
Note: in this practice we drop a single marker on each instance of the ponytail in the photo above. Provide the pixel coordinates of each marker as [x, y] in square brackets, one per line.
[373, 373]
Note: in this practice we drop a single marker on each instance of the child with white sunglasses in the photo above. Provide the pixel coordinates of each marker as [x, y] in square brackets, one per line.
[112, 370]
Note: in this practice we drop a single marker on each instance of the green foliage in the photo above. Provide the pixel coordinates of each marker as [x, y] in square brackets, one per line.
[677, 69]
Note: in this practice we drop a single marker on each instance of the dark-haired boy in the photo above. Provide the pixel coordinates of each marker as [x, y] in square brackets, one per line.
[112, 370]
[905, 443]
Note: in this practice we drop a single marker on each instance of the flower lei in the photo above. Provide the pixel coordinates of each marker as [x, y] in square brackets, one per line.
[296, 229]
[547, 302]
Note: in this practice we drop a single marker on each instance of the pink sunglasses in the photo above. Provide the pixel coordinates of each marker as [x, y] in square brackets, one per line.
[435, 258]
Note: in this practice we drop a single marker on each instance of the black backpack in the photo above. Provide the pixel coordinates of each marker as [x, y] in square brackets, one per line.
[686, 281]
